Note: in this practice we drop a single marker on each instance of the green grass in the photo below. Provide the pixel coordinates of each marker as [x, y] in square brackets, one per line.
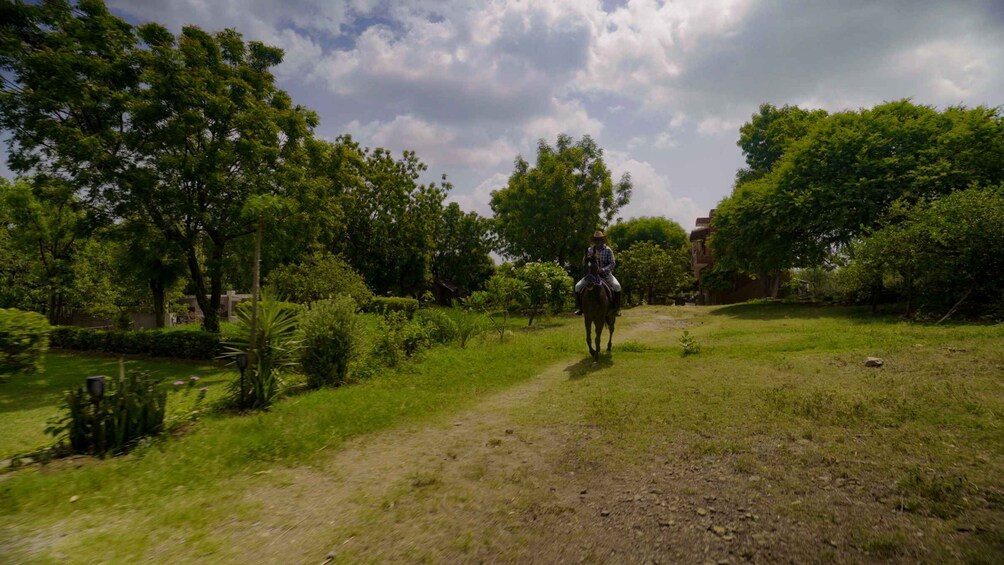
[776, 400]
[28, 402]
[132, 503]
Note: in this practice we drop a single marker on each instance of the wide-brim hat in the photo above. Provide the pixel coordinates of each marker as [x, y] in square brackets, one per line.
[599, 235]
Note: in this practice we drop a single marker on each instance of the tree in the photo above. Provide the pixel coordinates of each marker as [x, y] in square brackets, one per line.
[944, 252]
[390, 218]
[769, 134]
[650, 271]
[846, 174]
[547, 286]
[46, 221]
[662, 231]
[549, 211]
[321, 276]
[464, 242]
[180, 131]
[502, 296]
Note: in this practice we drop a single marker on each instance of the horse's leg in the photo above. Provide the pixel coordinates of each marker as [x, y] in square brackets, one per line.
[589, 334]
[610, 337]
[599, 333]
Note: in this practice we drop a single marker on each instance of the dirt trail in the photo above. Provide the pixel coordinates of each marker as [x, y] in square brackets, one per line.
[459, 489]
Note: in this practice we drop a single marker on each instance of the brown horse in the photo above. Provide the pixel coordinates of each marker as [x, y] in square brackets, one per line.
[597, 309]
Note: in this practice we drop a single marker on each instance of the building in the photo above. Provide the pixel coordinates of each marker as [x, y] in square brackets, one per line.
[741, 287]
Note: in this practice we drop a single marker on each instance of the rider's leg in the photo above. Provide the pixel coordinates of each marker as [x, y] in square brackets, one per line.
[615, 286]
[578, 296]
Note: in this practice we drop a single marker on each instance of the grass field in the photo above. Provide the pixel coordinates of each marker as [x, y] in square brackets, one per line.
[775, 442]
[28, 402]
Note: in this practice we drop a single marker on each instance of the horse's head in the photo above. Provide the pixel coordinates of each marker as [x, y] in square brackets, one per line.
[593, 278]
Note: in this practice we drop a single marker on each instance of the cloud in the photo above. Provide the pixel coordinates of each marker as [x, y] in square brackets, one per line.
[444, 145]
[652, 194]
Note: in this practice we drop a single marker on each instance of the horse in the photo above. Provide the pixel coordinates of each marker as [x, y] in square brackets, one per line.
[597, 310]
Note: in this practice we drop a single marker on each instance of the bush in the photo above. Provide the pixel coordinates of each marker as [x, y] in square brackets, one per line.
[438, 325]
[322, 276]
[178, 344]
[132, 407]
[400, 338]
[24, 338]
[276, 348]
[332, 338]
[469, 324]
[386, 304]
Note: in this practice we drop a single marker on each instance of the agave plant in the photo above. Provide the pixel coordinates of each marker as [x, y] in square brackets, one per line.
[273, 352]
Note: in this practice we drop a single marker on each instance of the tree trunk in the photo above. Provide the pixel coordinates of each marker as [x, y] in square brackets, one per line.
[215, 284]
[157, 290]
[210, 317]
[53, 311]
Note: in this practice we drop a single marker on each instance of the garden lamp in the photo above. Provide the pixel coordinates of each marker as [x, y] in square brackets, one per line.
[96, 387]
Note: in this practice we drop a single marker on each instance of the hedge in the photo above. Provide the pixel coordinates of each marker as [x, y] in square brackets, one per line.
[24, 338]
[386, 304]
[179, 344]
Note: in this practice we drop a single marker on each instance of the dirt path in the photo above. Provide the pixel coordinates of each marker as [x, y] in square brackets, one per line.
[470, 487]
[504, 482]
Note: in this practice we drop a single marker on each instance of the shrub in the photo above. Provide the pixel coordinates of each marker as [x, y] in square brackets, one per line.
[331, 339]
[275, 349]
[131, 408]
[387, 304]
[400, 338]
[688, 344]
[502, 295]
[439, 327]
[178, 344]
[24, 338]
[322, 276]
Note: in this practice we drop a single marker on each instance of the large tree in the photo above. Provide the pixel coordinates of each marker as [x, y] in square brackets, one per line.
[769, 134]
[183, 131]
[846, 176]
[662, 231]
[46, 221]
[549, 211]
[464, 243]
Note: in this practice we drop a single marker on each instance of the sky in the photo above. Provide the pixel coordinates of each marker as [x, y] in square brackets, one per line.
[663, 86]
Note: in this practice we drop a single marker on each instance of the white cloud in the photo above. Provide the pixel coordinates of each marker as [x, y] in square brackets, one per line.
[443, 145]
[652, 194]
[480, 197]
[714, 125]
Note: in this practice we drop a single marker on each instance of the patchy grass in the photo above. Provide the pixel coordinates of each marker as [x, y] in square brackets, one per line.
[28, 402]
[774, 443]
[177, 488]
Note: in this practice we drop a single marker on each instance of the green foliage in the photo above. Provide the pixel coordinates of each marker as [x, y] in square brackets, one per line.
[24, 339]
[845, 177]
[384, 305]
[547, 286]
[180, 131]
[132, 408]
[469, 324]
[502, 296]
[331, 340]
[663, 232]
[648, 271]
[46, 221]
[940, 252]
[768, 136]
[549, 211]
[177, 344]
[400, 338]
[273, 350]
[439, 326]
[688, 344]
[464, 242]
[321, 276]
[391, 220]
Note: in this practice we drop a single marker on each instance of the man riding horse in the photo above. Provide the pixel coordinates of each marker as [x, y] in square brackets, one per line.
[604, 257]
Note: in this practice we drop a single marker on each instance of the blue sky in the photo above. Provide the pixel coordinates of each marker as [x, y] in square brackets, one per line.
[662, 85]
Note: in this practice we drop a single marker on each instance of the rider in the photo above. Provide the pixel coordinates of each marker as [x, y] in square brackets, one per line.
[605, 262]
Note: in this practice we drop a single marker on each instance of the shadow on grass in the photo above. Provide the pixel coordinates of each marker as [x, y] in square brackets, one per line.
[780, 310]
[580, 369]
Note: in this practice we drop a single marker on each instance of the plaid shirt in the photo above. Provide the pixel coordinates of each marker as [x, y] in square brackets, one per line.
[605, 259]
